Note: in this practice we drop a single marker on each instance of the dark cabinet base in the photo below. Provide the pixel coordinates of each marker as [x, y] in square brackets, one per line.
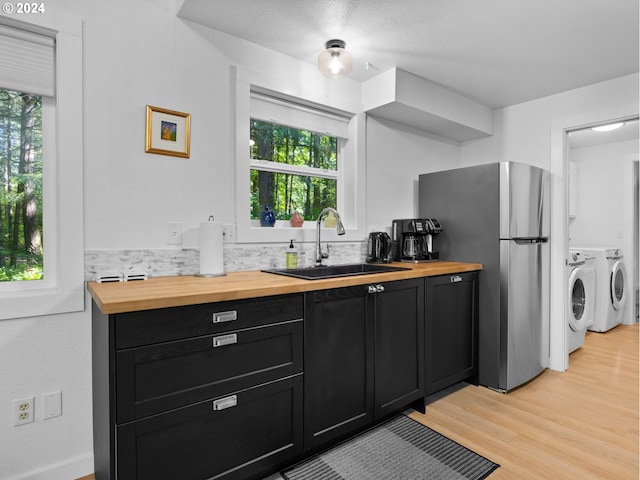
[203, 392]
[236, 390]
[364, 357]
[451, 345]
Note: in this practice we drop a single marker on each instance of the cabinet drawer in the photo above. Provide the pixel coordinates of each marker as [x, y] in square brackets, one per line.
[153, 326]
[199, 442]
[156, 378]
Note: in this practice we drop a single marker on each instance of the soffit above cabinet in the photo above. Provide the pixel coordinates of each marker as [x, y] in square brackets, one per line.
[419, 103]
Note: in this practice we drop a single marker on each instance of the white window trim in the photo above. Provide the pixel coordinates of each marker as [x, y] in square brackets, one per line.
[351, 190]
[62, 290]
[268, 166]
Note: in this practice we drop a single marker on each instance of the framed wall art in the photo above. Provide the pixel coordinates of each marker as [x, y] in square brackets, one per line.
[168, 132]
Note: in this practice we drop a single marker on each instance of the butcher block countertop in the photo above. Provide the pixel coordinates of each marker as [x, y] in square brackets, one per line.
[175, 291]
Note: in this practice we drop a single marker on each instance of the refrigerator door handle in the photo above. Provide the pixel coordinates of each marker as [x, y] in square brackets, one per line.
[530, 240]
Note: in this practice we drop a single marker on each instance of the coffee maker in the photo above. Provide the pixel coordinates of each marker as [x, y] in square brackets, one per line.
[412, 239]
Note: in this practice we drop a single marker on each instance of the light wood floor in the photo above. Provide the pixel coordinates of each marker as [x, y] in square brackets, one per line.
[579, 424]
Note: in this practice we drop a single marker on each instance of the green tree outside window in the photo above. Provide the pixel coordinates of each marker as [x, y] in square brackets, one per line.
[304, 188]
[21, 232]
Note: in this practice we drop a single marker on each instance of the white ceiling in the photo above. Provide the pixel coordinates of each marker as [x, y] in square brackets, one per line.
[496, 52]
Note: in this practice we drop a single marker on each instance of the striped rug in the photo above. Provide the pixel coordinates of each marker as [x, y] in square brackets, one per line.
[400, 449]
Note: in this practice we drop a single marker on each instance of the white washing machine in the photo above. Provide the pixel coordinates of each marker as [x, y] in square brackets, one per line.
[581, 305]
[611, 294]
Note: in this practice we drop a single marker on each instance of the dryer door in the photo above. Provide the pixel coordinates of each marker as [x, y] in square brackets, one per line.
[577, 301]
[617, 285]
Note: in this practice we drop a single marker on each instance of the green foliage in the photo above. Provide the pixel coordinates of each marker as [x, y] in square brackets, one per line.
[288, 192]
[27, 267]
[21, 256]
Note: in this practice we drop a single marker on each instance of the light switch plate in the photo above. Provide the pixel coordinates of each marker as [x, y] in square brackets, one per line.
[52, 404]
[174, 233]
[229, 233]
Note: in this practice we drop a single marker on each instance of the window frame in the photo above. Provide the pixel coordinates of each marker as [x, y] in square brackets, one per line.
[351, 182]
[286, 168]
[62, 289]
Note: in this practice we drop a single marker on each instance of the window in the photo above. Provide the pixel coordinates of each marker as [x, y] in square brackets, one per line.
[293, 169]
[300, 156]
[21, 247]
[41, 244]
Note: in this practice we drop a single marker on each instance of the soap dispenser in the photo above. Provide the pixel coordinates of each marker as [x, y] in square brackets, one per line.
[292, 256]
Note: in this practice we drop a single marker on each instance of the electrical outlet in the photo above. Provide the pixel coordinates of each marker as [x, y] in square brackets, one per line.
[23, 411]
[174, 233]
[229, 233]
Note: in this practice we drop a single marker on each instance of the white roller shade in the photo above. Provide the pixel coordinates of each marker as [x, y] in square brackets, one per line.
[27, 61]
[273, 110]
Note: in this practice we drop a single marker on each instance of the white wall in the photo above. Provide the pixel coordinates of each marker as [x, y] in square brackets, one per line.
[601, 180]
[396, 156]
[137, 53]
[522, 133]
[38, 356]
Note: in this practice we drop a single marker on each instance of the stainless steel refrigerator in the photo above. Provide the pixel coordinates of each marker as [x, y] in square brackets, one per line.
[498, 214]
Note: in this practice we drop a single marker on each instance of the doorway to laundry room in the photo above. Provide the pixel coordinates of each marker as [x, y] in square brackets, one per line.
[603, 203]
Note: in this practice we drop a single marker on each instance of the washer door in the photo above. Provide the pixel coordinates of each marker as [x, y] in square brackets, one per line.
[577, 301]
[617, 285]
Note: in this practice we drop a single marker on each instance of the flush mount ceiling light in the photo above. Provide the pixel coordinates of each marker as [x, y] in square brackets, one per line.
[335, 61]
[607, 128]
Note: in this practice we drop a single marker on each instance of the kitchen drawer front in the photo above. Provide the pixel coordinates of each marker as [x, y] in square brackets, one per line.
[153, 326]
[157, 378]
[260, 428]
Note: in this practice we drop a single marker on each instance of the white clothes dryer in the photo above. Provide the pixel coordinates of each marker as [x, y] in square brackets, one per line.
[581, 305]
[611, 294]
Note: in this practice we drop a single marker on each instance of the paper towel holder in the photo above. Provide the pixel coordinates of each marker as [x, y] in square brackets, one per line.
[210, 275]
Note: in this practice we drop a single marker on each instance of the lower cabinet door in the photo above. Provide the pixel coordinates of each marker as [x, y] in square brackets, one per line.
[338, 364]
[451, 337]
[399, 354]
[232, 437]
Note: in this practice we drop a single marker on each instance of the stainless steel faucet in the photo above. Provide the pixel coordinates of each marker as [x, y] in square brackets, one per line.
[339, 227]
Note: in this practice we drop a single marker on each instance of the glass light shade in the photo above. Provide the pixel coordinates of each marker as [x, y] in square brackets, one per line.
[335, 61]
[607, 128]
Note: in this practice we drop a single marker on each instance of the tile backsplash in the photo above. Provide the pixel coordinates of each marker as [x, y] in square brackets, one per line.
[168, 262]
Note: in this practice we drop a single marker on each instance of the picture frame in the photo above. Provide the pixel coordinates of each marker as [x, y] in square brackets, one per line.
[168, 132]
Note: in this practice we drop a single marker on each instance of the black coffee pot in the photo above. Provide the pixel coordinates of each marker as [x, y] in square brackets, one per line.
[379, 247]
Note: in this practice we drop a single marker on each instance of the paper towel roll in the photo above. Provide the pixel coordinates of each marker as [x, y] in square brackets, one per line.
[211, 254]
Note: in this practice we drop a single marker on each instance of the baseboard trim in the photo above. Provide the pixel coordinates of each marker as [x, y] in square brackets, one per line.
[72, 469]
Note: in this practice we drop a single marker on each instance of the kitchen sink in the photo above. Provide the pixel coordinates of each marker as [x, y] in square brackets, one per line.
[333, 271]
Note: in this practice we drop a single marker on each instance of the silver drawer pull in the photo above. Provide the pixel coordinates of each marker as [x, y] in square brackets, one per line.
[226, 402]
[229, 316]
[456, 278]
[225, 340]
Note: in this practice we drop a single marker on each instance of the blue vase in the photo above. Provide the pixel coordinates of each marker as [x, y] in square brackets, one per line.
[267, 218]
